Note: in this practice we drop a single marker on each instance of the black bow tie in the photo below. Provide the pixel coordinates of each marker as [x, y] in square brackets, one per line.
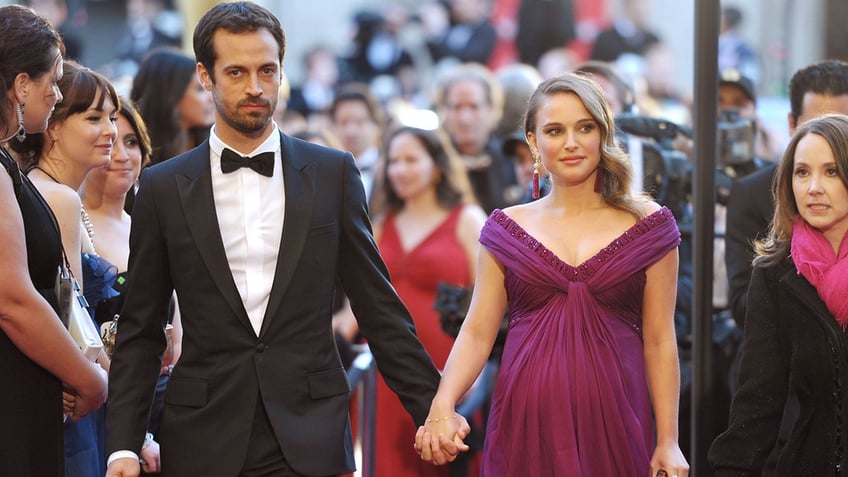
[262, 163]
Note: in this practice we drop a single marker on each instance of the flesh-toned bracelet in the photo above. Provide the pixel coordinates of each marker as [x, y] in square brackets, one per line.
[429, 420]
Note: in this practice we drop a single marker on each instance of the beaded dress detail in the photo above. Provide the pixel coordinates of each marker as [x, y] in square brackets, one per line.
[571, 396]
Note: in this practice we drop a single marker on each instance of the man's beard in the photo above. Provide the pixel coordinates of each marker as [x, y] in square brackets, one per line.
[246, 123]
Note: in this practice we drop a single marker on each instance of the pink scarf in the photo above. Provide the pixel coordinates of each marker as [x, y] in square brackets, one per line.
[827, 272]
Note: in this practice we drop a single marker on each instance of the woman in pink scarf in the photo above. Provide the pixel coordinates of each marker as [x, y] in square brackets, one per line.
[795, 339]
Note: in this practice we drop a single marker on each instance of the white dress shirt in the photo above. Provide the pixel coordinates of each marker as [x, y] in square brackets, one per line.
[250, 210]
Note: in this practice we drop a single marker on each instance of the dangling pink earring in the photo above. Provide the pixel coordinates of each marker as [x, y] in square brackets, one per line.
[599, 183]
[536, 165]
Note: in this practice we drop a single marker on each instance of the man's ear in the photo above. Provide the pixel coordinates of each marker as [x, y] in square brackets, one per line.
[204, 77]
[791, 121]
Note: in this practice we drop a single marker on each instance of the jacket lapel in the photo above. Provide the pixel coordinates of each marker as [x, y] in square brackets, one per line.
[299, 180]
[195, 190]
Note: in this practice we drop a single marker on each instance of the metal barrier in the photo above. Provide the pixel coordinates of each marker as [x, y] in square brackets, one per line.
[362, 378]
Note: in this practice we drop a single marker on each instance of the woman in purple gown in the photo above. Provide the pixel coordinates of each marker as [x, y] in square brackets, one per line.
[589, 381]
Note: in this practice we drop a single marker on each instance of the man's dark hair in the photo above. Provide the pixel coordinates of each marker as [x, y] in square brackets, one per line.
[828, 77]
[235, 17]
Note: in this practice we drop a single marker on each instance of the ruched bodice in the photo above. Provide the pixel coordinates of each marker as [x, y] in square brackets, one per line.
[571, 396]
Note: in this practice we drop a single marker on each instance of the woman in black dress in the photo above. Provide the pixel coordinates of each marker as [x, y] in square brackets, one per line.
[37, 355]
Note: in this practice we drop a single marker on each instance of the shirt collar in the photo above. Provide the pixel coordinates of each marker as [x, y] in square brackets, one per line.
[271, 143]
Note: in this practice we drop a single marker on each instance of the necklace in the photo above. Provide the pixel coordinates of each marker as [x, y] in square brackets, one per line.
[89, 227]
[86, 220]
[51, 176]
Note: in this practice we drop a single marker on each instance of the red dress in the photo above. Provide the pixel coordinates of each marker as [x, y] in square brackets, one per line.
[415, 274]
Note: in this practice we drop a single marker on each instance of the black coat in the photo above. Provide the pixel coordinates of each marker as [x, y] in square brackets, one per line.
[793, 345]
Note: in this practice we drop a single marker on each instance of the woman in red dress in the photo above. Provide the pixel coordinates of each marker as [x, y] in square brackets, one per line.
[429, 235]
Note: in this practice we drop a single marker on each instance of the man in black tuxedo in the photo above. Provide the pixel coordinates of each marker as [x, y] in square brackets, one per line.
[253, 247]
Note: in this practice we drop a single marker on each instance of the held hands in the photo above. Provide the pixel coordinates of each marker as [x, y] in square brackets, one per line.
[77, 404]
[668, 461]
[440, 440]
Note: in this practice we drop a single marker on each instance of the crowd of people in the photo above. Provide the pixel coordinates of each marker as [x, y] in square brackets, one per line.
[519, 291]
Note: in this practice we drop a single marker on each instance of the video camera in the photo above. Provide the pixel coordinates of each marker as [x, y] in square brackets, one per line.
[735, 139]
[668, 168]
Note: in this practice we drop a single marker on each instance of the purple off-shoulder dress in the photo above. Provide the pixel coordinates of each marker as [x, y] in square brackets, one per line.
[571, 397]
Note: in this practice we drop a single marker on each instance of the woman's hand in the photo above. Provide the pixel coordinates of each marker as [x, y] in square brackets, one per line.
[440, 439]
[668, 461]
[69, 402]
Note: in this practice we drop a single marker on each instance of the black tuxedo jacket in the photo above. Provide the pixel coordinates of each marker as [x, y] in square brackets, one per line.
[293, 365]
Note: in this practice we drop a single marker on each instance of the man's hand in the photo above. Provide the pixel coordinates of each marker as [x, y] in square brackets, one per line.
[124, 467]
[150, 458]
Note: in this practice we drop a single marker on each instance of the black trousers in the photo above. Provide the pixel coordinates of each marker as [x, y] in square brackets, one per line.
[264, 456]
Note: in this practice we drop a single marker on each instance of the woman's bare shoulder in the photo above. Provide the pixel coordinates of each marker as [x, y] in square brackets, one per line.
[647, 207]
[472, 214]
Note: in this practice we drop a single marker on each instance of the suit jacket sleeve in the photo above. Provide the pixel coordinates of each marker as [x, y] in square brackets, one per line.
[763, 385]
[140, 341]
[744, 225]
[383, 319]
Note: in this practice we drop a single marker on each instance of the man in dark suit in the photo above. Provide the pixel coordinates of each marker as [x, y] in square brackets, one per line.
[253, 248]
